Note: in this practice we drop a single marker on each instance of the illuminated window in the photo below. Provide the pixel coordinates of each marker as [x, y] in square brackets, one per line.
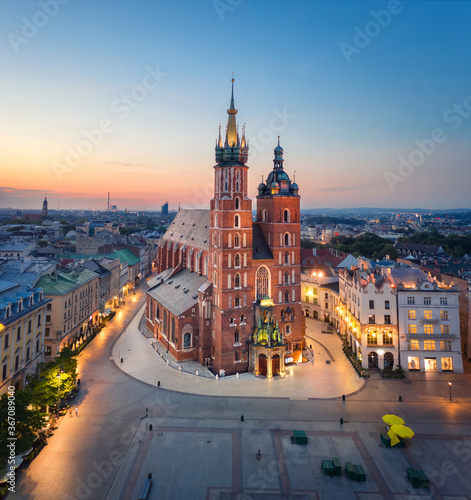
[428, 329]
[413, 345]
[427, 314]
[372, 338]
[444, 314]
[413, 363]
[447, 364]
[387, 338]
[410, 314]
[445, 345]
[429, 345]
[412, 329]
[445, 329]
[262, 282]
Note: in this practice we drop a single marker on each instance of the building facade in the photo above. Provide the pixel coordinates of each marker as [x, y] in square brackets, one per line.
[237, 263]
[22, 327]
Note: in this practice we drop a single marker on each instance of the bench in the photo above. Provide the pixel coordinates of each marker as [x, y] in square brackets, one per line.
[385, 439]
[299, 437]
[417, 478]
[350, 471]
[359, 473]
[327, 466]
[337, 466]
[146, 489]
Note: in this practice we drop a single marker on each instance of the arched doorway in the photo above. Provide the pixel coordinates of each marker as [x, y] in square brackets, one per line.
[275, 365]
[316, 315]
[307, 313]
[372, 360]
[388, 361]
[262, 365]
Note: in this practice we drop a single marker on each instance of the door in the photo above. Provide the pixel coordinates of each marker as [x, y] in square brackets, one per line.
[262, 365]
[372, 360]
[430, 364]
[275, 365]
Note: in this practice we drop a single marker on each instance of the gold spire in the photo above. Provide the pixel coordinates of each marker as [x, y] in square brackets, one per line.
[232, 137]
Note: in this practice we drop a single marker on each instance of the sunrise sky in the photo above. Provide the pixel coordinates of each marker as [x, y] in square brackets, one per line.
[354, 87]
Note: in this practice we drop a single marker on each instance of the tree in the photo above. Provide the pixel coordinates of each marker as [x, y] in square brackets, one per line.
[28, 420]
[42, 243]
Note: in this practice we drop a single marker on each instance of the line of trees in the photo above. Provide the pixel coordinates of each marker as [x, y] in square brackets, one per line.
[453, 244]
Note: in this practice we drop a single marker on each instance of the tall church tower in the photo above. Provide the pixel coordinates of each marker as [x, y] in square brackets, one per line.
[230, 251]
[278, 216]
[44, 211]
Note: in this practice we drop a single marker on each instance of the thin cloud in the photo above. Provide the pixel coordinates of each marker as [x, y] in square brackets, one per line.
[358, 187]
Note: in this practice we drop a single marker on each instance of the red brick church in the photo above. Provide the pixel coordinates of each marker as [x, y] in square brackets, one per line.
[228, 290]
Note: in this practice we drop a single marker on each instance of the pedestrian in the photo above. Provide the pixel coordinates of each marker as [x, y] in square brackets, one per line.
[70, 413]
[76, 411]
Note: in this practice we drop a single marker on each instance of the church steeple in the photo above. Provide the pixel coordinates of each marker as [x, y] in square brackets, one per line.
[232, 150]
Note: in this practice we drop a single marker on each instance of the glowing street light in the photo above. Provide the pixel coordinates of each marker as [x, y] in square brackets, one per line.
[449, 385]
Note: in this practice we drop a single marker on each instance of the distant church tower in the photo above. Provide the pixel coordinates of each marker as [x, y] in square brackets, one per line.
[230, 250]
[44, 210]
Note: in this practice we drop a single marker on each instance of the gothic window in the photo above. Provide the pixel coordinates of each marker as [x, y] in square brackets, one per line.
[242, 319]
[286, 259]
[286, 278]
[237, 240]
[237, 260]
[237, 280]
[187, 340]
[236, 337]
[172, 333]
[237, 203]
[286, 240]
[226, 179]
[282, 314]
[286, 297]
[237, 356]
[237, 301]
[286, 216]
[236, 221]
[262, 282]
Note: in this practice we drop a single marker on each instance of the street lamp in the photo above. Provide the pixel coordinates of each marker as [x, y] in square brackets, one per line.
[449, 385]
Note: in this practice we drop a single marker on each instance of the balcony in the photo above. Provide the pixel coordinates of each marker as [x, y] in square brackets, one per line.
[430, 336]
[428, 321]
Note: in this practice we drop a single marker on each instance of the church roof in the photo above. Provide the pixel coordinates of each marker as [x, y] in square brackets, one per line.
[179, 292]
[261, 250]
[189, 227]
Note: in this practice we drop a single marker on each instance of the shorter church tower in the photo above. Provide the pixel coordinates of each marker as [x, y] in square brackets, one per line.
[44, 211]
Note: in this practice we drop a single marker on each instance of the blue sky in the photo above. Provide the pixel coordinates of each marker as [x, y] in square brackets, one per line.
[351, 107]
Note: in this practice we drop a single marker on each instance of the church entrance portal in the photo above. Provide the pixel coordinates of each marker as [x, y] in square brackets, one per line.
[275, 365]
[262, 365]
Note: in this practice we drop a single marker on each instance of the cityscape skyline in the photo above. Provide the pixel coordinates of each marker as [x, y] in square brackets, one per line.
[372, 101]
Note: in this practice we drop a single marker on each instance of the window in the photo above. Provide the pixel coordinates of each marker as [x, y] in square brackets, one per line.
[18, 333]
[172, 331]
[288, 330]
[237, 260]
[237, 301]
[187, 340]
[447, 364]
[429, 345]
[286, 240]
[410, 300]
[411, 314]
[387, 338]
[17, 362]
[387, 319]
[445, 329]
[286, 297]
[413, 345]
[7, 341]
[427, 314]
[443, 301]
[286, 216]
[286, 278]
[242, 319]
[413, 363]
[372, 304]
[427, 301]
[237, 280]
[28, 351]
[47, 350]
[286, 259]
[428, 329]
[236, 240]
[39, 320]
[236, 337]
[236, 221]
[262, 282]
[445, 345]
[49, 306]
[4, 372]
[372, 338]
[444, 314]
[236, 356]
[37, 345]
[412, 329]
[371, 319]
[237, 203]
